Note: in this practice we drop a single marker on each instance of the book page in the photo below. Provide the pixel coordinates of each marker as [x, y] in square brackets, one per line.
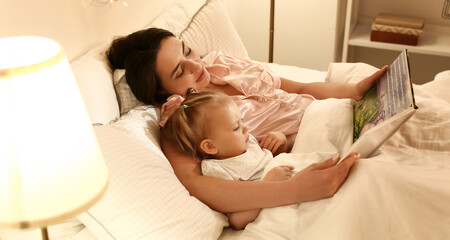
[390, 96]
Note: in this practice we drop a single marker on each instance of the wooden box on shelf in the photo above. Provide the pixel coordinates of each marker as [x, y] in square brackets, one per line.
[396, 29]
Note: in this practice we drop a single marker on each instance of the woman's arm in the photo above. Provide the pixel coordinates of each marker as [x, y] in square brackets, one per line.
[318, 181]
[321, 90]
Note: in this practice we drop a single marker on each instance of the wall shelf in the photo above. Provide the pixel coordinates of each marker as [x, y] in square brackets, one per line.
[429, 57]
[435, 40]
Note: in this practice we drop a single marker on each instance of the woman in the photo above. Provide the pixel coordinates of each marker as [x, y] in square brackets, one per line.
[159, 65]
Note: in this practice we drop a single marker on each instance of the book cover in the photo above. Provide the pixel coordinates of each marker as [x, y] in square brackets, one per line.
[384, 108]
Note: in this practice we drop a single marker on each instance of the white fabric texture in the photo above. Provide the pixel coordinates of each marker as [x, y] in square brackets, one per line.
[327, 126]
[140, 124]
[177, 18]
[248, 166]
[211, 29]
[206, 29]
[348, 72]
[440, 86]
[298, 74]
[94, 79]
[144, 199]
[400, 193]
[420, 150]
[128, 152]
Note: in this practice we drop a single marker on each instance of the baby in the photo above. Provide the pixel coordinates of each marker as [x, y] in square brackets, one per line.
[208, 125]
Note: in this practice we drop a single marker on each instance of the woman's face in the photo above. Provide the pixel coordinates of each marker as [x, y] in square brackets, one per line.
[180, 68]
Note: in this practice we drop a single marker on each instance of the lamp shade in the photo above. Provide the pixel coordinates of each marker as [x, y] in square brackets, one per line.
[51, 167]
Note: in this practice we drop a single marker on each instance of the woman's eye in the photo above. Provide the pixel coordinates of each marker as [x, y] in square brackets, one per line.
[189, 52]
[181, 73]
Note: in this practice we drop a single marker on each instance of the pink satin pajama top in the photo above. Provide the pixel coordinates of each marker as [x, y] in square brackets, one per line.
[264, 106]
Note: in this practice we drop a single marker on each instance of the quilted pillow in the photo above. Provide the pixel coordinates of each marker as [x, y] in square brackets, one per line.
[125, 97]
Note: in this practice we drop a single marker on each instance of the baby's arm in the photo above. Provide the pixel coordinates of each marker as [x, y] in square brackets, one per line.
[239, 220]
[276, 142]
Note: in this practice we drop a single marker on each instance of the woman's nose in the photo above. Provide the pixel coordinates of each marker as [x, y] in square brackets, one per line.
[192, 65]
[245, 128]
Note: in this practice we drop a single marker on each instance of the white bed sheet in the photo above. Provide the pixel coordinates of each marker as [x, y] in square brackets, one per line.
[74, 230]
[298, 74]
[289, 72]
[437, 88]
[401, 193]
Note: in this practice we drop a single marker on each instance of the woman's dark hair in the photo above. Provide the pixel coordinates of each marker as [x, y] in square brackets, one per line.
[136, 53]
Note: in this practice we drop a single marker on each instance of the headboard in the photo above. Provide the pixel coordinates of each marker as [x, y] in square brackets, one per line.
[78, 25]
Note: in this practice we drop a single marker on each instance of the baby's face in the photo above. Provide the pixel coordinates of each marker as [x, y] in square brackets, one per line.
[229, 133]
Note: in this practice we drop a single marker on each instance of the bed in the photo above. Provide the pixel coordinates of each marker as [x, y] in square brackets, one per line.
[402, 192]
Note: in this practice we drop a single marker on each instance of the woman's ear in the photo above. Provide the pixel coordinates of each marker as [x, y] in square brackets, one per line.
[207, 146]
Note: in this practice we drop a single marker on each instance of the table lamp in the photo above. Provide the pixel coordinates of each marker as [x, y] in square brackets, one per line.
[51, 167]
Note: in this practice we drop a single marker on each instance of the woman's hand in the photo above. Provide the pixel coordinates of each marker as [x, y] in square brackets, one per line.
[322, 180]
[276, 142]
[364, 85]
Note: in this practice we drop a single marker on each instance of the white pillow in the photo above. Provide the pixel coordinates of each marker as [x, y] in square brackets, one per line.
[327, 126]
[203, 25]
[144, 199]
[177, 18]
[212, 29]
[205, 30]
[348, 72]
[142, 125]
[94, 78]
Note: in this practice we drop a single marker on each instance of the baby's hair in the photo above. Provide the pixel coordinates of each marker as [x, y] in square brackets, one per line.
[189, 124]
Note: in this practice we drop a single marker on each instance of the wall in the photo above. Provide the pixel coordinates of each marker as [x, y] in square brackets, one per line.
[307, 33]
[71, 22]
[251, 18]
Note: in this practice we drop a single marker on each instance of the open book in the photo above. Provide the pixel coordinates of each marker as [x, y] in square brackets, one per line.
[384, 108]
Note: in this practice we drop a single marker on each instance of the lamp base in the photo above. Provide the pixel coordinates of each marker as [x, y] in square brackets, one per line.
[44, 233]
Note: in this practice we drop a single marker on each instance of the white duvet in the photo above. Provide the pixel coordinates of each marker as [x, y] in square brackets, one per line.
[403, 192]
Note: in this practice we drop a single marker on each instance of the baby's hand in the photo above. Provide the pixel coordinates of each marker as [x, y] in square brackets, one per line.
[274, 141]
[279, 173]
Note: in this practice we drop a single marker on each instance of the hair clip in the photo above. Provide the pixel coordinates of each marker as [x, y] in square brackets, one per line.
[185, 106]
[190, 91]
